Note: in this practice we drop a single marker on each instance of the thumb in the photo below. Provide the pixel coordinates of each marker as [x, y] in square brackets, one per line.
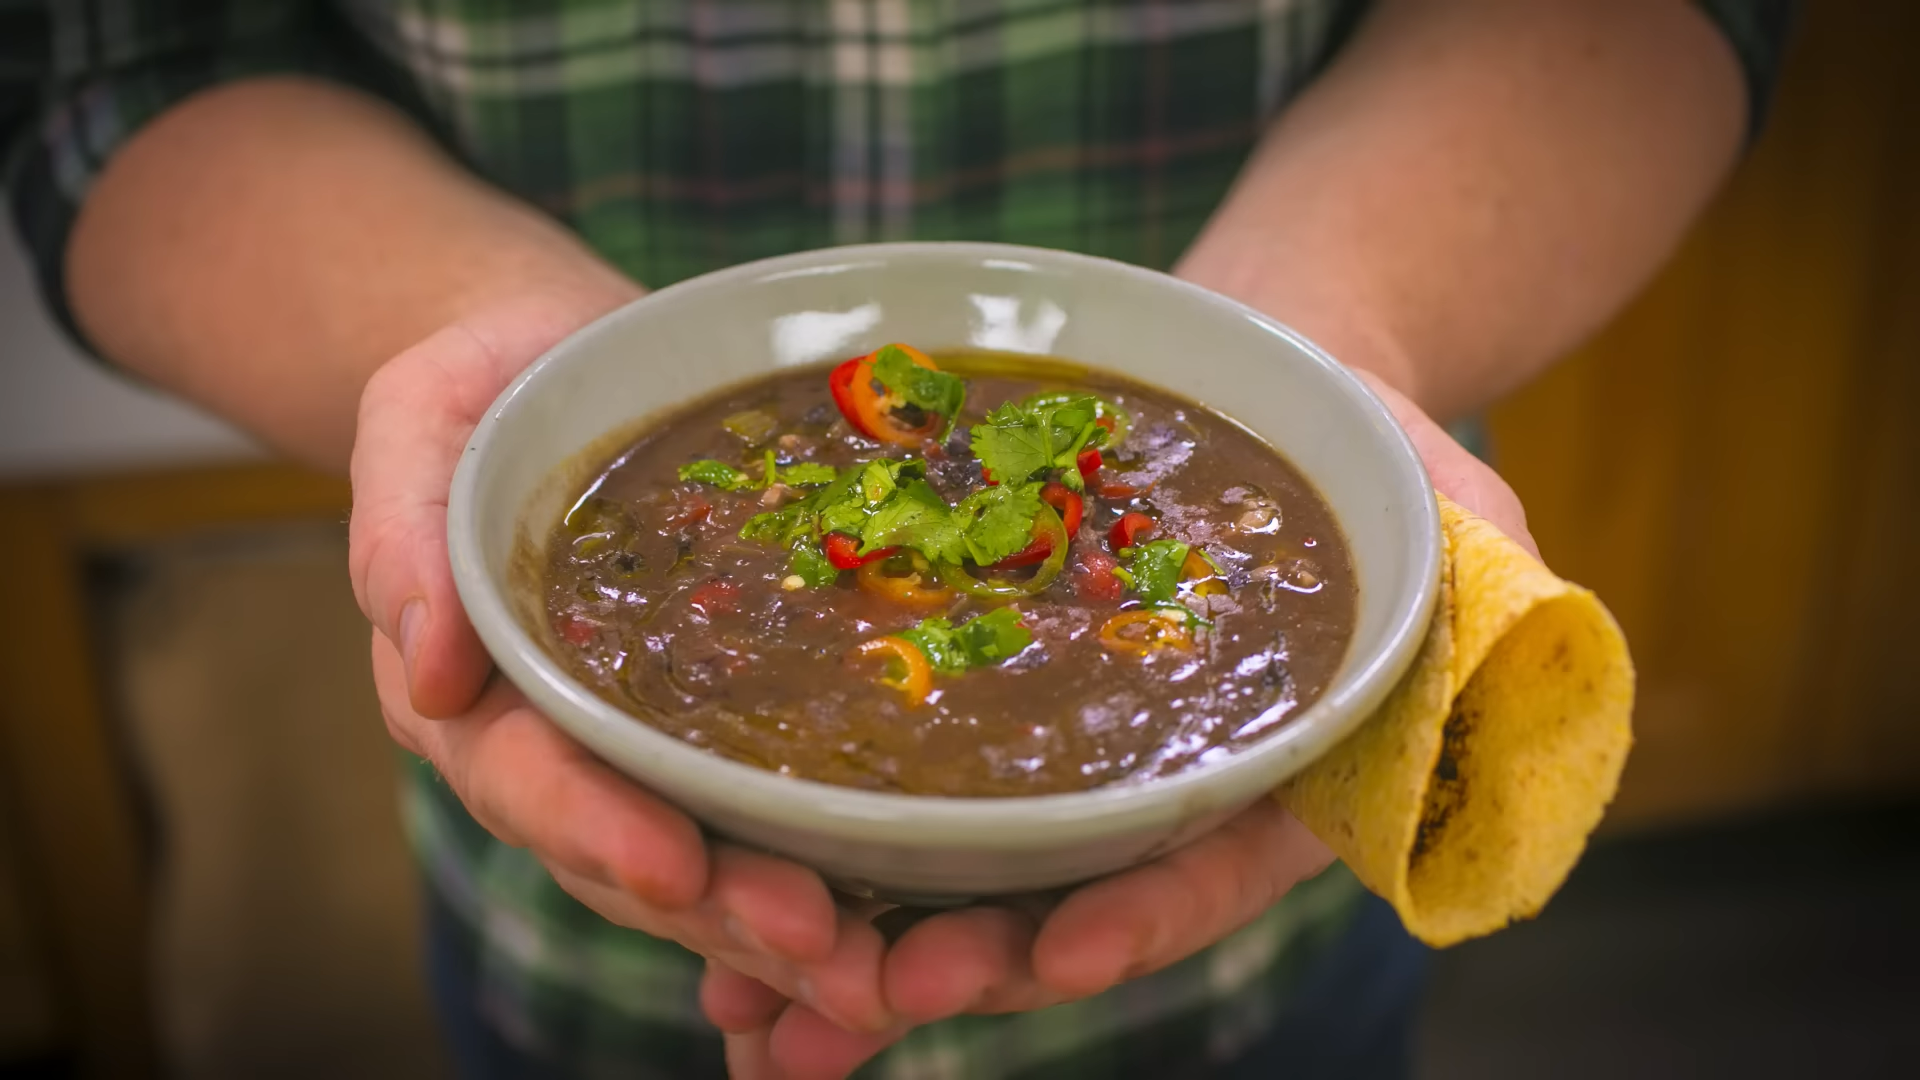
[414, 421]
[416, 415]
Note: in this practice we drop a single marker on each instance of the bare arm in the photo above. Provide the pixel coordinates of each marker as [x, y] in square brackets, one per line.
[1476, 185]
[263, 247]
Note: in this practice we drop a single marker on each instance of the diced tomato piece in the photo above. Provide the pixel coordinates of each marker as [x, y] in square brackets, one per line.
[1114, 489]
[1067, 503]
[575, 630]
[1128, 530]
[1094, 579]
[688, 507]
[716, 597]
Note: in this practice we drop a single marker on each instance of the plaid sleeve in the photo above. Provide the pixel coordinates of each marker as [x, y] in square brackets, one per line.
[77, 80]
[1758, 30]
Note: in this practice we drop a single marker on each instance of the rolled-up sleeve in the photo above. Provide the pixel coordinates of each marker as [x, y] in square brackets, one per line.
[78, 80]
[1758, 31]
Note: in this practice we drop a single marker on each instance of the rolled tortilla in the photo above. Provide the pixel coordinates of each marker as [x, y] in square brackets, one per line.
[1469, 796]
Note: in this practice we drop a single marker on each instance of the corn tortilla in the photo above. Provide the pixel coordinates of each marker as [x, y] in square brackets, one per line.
[1468, 797]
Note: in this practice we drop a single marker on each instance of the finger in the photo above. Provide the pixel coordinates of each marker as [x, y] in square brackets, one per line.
[805, 1045]
[846, 987]
[415, 415]
[974, 960]
[772, 905]
[1454, 470]
[737, 1003]
[530, 785]
[749, 1057]
[1146, 918]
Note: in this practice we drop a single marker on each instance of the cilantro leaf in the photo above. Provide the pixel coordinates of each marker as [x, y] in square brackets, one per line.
[1120, 419]
[989, 639]
[808, 474]
[932, 390]
[1021, 440]
[998, 521]
[934, 638]
[1154, 569]
[916, 517]
[1012, 443]
[718, 473]
[993, 638]
[810, 564]
[845, 504]
[781, 526]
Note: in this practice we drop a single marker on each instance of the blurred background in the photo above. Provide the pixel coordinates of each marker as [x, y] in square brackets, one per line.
[202, 872]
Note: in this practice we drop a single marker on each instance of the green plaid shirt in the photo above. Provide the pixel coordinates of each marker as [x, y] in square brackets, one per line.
[679, 137]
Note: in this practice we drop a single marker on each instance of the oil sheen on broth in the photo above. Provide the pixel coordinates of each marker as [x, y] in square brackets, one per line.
[1204, 596]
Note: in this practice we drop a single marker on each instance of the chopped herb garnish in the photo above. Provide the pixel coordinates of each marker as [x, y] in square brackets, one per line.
[989, 639]
[1153, 569]
[810, 564]
[808, 474]
[998, 521]
[1118, 420]
[718, 473]
[1018, 441]
[915, 516]
[925, 388]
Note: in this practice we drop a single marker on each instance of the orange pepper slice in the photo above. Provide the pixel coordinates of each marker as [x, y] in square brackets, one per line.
[1143, 630]
[912, 676]
[1197, 568]
[912, 589]
[869, 412]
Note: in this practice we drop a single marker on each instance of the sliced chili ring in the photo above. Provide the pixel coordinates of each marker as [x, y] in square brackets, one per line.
[912, 589]
[1203, 573]
[870, 412]
[1127, 531]
[1065, 503]
[914, 677]
[1089, 463]
[843, 552]
[1047, 528]
[1142, 630]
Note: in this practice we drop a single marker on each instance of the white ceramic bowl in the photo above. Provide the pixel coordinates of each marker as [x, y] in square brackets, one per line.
[530, 453]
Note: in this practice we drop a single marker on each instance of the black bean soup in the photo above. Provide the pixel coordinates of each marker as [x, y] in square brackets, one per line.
[970, 576]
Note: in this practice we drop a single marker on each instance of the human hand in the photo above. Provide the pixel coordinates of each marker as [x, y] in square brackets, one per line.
[631, 857]
[1017, 957]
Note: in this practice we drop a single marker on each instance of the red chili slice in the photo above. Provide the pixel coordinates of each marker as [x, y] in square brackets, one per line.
[1067, 503]
[1127, 531]
[870, 413]
[1089, 462]
[843, 552]
[1069, 506]
[1035, 552]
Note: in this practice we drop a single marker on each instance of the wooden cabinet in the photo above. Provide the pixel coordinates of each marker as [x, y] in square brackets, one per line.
[1734, 465]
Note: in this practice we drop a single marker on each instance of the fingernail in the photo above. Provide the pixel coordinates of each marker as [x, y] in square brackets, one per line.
[413, 618]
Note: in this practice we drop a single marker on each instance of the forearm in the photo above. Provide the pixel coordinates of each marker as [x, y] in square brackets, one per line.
[263, 247]
[1479, 184]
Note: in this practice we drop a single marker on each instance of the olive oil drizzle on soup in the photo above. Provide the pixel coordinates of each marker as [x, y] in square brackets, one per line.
[835, 621]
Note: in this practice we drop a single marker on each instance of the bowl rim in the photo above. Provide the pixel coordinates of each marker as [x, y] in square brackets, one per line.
[934, 821]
